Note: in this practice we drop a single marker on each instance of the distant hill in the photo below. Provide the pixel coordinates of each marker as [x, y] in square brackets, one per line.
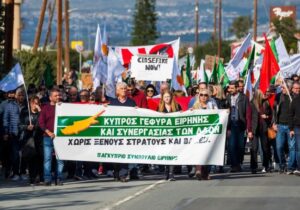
[176, 18]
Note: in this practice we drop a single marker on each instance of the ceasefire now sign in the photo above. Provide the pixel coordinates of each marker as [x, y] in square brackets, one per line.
[130, 135]
[152, 67]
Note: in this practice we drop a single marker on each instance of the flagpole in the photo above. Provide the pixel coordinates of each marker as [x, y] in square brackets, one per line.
[29, 109]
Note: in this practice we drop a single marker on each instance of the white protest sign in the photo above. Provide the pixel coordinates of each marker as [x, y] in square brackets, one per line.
[152, 67]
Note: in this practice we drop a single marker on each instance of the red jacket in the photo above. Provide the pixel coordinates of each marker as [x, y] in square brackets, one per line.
[139, 98]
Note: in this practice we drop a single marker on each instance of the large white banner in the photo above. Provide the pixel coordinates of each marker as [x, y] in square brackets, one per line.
[133, 135]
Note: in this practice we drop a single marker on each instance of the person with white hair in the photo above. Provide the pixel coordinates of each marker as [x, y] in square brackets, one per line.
[121, 170]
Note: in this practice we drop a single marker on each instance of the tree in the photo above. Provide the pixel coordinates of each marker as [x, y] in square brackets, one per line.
[287, 27]
[144, 23]
[34, 65]
[2, 40]
[240, 26]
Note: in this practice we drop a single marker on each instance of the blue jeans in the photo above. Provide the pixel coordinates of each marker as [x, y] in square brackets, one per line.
[297, 141]
[48, 151]
[236, 145]
[283, 136]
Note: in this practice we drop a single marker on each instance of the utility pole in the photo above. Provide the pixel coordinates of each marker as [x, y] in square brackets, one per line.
[59, 43]
[196, 23]
[48, 35]
[215, 19]
[255, 21]
[67, 36]
[220, 29]
[8, 25]
[39, 27]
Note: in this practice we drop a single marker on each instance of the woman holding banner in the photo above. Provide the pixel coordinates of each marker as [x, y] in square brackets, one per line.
[203, 102]
[167, 104]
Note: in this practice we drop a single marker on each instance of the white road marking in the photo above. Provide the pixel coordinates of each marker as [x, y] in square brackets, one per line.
[126, 199]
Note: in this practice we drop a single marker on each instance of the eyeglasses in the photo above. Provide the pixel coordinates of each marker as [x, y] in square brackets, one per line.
[150, 90]
[201, 95]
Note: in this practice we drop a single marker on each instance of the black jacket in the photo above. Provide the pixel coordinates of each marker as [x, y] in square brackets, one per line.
[279, 100]
[294, 113]
[259, 124]
[244, 111]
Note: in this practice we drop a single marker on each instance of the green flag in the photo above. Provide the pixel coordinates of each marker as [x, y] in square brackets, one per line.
[273, 47]
[186, 74]
[214, 74]
[48, 77]
[249, 64]
[222, 76]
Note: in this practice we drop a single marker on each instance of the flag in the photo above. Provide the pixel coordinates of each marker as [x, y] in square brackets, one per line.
[99, 70]
[269, 67]
[186, 74]
[114, 73]
[104, 43]
[222, 76]
[201, 73]
[48, 77]
[177, 81]
[236, 64]
[274, 50]
[249, 64]
[284, 58]
[248, 86]
[292, 68]
[214, 74]
[13, 79]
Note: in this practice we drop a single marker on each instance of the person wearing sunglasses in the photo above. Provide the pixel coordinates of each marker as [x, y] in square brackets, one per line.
[73, 95]
[84, 96]
[137, 95]
[150, 91]
[203, 102]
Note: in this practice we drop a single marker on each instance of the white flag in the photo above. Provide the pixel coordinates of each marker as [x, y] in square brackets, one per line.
[234, 67]
[201, 74]
[99, 70]
[283, 56]
[248, 87]
[114, 71]
[13, 79]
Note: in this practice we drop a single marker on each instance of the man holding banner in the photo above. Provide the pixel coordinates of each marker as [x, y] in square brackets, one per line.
[46, 122]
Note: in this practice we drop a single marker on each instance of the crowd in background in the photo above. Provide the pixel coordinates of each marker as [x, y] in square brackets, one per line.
[270, 121]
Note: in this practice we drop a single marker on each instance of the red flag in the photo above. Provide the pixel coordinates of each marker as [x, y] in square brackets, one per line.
[269, 67]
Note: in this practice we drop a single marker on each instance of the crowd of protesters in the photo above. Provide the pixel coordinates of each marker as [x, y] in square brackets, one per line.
[27, 129]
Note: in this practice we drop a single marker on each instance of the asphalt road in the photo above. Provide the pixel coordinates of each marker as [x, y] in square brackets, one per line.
[240, 191]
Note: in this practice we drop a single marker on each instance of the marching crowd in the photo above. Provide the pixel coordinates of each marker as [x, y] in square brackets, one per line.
[270, 121]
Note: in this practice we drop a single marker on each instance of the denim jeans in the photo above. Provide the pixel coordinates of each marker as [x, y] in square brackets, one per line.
[297, 141]
[48, 151]
[236, 145]
[283, 136]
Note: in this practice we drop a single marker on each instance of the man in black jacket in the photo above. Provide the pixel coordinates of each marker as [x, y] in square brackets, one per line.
[281, 122]
[294, 126]
[239, 120]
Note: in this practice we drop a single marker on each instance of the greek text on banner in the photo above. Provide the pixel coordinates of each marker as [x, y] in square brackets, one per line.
[129, 135]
